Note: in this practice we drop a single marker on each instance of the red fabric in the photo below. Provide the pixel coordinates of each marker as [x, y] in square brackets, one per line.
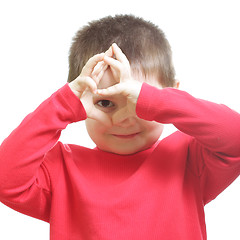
[159, 193]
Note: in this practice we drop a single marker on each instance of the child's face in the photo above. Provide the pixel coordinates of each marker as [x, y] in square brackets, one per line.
[126, 136]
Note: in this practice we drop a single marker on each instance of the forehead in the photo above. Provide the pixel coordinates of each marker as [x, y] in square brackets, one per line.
[107, 80]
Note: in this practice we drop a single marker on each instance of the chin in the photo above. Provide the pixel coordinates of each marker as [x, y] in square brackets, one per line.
[125, 152]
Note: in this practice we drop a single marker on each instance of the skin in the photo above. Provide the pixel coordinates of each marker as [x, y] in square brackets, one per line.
[109, 94]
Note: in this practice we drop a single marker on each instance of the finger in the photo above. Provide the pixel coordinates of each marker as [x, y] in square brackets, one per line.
[113, 63]
[113, 90]
[120, 56]
[87, 82]
[100, 117]
[101, 66]
[109, 52]
[93, 112]
[91, 63]
[98, 68]
[122, 114]
[100, 74]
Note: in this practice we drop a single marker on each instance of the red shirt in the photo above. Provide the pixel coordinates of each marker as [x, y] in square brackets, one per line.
[159, 193]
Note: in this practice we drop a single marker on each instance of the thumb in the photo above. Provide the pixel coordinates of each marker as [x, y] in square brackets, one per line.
[113, 90]
[122, 114]
[101, 117]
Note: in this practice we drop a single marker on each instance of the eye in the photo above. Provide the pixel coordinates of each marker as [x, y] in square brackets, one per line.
[105, 103]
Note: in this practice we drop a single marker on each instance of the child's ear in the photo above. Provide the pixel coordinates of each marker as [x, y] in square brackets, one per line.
[177, 83]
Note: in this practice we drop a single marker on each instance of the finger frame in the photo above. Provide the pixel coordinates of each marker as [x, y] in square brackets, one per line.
[99, 71]
[119, 55]
[101, 66]
[91, 64]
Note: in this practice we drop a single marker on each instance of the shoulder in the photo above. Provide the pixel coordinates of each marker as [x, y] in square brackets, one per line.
[61, 151]
[65, 159]
[175, 141]
[173, 148]
[68, 154]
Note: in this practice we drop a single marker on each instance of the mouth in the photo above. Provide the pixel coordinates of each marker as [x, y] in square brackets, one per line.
[126, 136]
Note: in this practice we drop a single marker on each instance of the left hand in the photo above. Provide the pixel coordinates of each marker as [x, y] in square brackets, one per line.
[126, 86]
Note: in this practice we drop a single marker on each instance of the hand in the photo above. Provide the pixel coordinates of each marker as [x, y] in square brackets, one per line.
[85, 85]
[127, 86]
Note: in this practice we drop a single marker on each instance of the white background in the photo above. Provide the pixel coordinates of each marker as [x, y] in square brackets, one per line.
[34, 43]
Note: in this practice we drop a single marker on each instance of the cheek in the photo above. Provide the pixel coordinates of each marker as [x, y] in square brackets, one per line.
[94, 129]
[91, 126]
[153, 130]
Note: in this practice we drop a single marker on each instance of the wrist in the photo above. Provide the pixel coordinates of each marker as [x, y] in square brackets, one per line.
[72, 86]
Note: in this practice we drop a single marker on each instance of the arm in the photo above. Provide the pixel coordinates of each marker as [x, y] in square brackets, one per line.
[214, 125]
[214, 152]
[24, 179]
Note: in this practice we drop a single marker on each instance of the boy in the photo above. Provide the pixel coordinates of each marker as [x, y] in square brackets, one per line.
[131, 186]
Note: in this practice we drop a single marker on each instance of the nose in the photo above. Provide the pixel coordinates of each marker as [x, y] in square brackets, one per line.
[124, 118]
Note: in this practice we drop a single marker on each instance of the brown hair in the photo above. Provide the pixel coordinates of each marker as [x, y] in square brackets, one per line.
[144, 44]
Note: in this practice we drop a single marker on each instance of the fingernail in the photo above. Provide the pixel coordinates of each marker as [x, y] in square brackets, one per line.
[99, 91]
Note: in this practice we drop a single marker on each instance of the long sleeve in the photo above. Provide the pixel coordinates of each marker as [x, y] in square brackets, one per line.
[23, 175]
[214, 150]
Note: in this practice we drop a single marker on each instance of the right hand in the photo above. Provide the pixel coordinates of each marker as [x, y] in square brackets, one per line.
[85, 85]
